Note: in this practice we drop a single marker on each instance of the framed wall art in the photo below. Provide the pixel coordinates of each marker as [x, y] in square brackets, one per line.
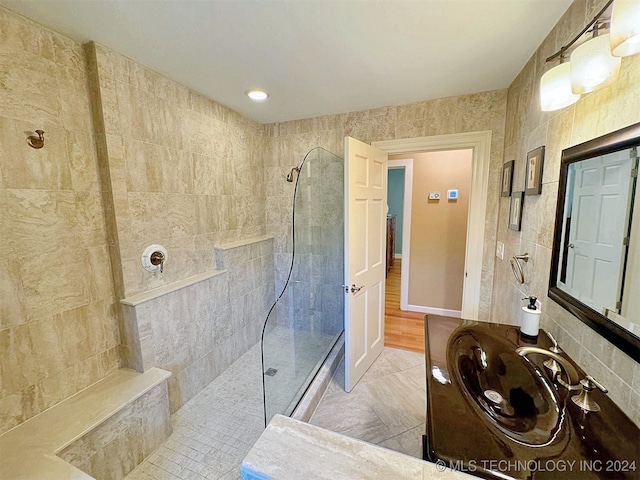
[515, 211]
[507, 178]
[533, 180]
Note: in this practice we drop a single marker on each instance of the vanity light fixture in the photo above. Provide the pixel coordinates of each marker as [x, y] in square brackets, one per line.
[625, 28]
[257, 95]
[555, 88]
[592, 64]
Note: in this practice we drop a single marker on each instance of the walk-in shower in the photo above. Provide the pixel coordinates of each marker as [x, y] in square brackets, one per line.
[308, 316]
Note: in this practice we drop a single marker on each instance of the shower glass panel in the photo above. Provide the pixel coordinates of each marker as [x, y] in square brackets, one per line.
[308, 316]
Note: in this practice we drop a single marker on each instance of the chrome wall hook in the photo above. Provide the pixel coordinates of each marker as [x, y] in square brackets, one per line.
[516, 266]
[36, 142]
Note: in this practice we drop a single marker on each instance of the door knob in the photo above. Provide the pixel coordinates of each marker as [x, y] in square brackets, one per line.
[355, 289]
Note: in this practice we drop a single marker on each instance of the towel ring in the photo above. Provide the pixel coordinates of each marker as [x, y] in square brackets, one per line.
[516, 266]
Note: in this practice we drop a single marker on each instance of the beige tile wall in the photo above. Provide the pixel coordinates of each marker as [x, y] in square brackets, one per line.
[58, 327]
[289, 141]
[198, 331]
[315, 300]
[184, 171]
[595, 114]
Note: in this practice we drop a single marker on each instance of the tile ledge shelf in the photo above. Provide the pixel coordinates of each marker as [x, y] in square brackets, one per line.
[137, 299]
[40, 438]
[289, 450]
[243, 243]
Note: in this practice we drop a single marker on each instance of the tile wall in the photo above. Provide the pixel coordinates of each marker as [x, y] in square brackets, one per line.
[185, 172]
[58, 326]
[595, 114]
[131, 158]
[314, 300]
[178, 169]
[288, 142]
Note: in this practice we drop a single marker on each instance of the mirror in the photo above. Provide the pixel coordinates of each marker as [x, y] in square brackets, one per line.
[595, 264]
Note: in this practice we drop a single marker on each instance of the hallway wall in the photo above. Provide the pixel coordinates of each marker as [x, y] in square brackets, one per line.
[395, 201]
[439, 229]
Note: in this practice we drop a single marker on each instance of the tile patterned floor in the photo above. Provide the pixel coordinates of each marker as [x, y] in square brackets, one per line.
[294, 354]
[215, 430]
[387, 407]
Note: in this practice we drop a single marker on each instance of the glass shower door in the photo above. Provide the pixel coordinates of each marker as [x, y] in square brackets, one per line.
[308, 316]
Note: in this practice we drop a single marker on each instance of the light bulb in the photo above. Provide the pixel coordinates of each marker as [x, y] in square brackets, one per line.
[257, 95]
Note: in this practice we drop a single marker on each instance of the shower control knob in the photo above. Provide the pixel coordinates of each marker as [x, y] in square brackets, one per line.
[153, 258]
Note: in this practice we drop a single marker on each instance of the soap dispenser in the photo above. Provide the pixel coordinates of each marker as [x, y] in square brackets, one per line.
[530, 323]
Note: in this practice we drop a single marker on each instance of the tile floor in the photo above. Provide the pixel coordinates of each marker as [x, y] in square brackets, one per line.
[294, 354]
[387, 407]
[215, 430]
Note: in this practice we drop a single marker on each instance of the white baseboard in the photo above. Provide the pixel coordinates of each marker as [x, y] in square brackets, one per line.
[443, 312]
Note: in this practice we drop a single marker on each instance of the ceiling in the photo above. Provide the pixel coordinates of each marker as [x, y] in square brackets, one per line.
[314, 57]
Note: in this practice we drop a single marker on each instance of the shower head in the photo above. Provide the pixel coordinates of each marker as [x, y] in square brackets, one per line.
[290, 174]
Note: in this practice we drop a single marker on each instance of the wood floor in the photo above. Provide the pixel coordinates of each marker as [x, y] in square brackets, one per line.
[403, 330]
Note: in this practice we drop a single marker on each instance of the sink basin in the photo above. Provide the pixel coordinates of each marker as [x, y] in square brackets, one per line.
[497, 415]
[505, 390]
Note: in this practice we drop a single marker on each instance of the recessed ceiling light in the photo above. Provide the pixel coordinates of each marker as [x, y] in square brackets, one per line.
[257, 95]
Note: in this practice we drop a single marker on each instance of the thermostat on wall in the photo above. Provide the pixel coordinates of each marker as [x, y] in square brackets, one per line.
[452, 194]
[434, 195]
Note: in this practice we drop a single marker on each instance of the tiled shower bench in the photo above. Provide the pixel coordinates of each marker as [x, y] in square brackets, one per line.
[103, 431]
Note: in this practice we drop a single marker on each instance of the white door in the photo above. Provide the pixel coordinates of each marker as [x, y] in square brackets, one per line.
[365, 262]
[599, 213]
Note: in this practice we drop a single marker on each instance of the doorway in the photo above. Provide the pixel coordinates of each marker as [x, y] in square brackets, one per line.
[403, 329]
[434, 229]
[480, 144]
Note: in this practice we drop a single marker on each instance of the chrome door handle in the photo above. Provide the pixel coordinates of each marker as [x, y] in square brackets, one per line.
[571, 245]
[355, 289]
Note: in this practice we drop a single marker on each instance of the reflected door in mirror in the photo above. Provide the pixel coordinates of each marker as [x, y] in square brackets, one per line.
[596, 226]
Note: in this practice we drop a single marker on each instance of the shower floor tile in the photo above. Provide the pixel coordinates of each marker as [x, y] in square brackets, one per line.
[215, 430]
[387, 407]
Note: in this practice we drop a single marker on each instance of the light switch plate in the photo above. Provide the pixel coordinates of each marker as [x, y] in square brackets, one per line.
[500, 250]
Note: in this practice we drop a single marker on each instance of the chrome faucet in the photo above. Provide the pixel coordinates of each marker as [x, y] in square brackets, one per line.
[588, 384]
[572, 373]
